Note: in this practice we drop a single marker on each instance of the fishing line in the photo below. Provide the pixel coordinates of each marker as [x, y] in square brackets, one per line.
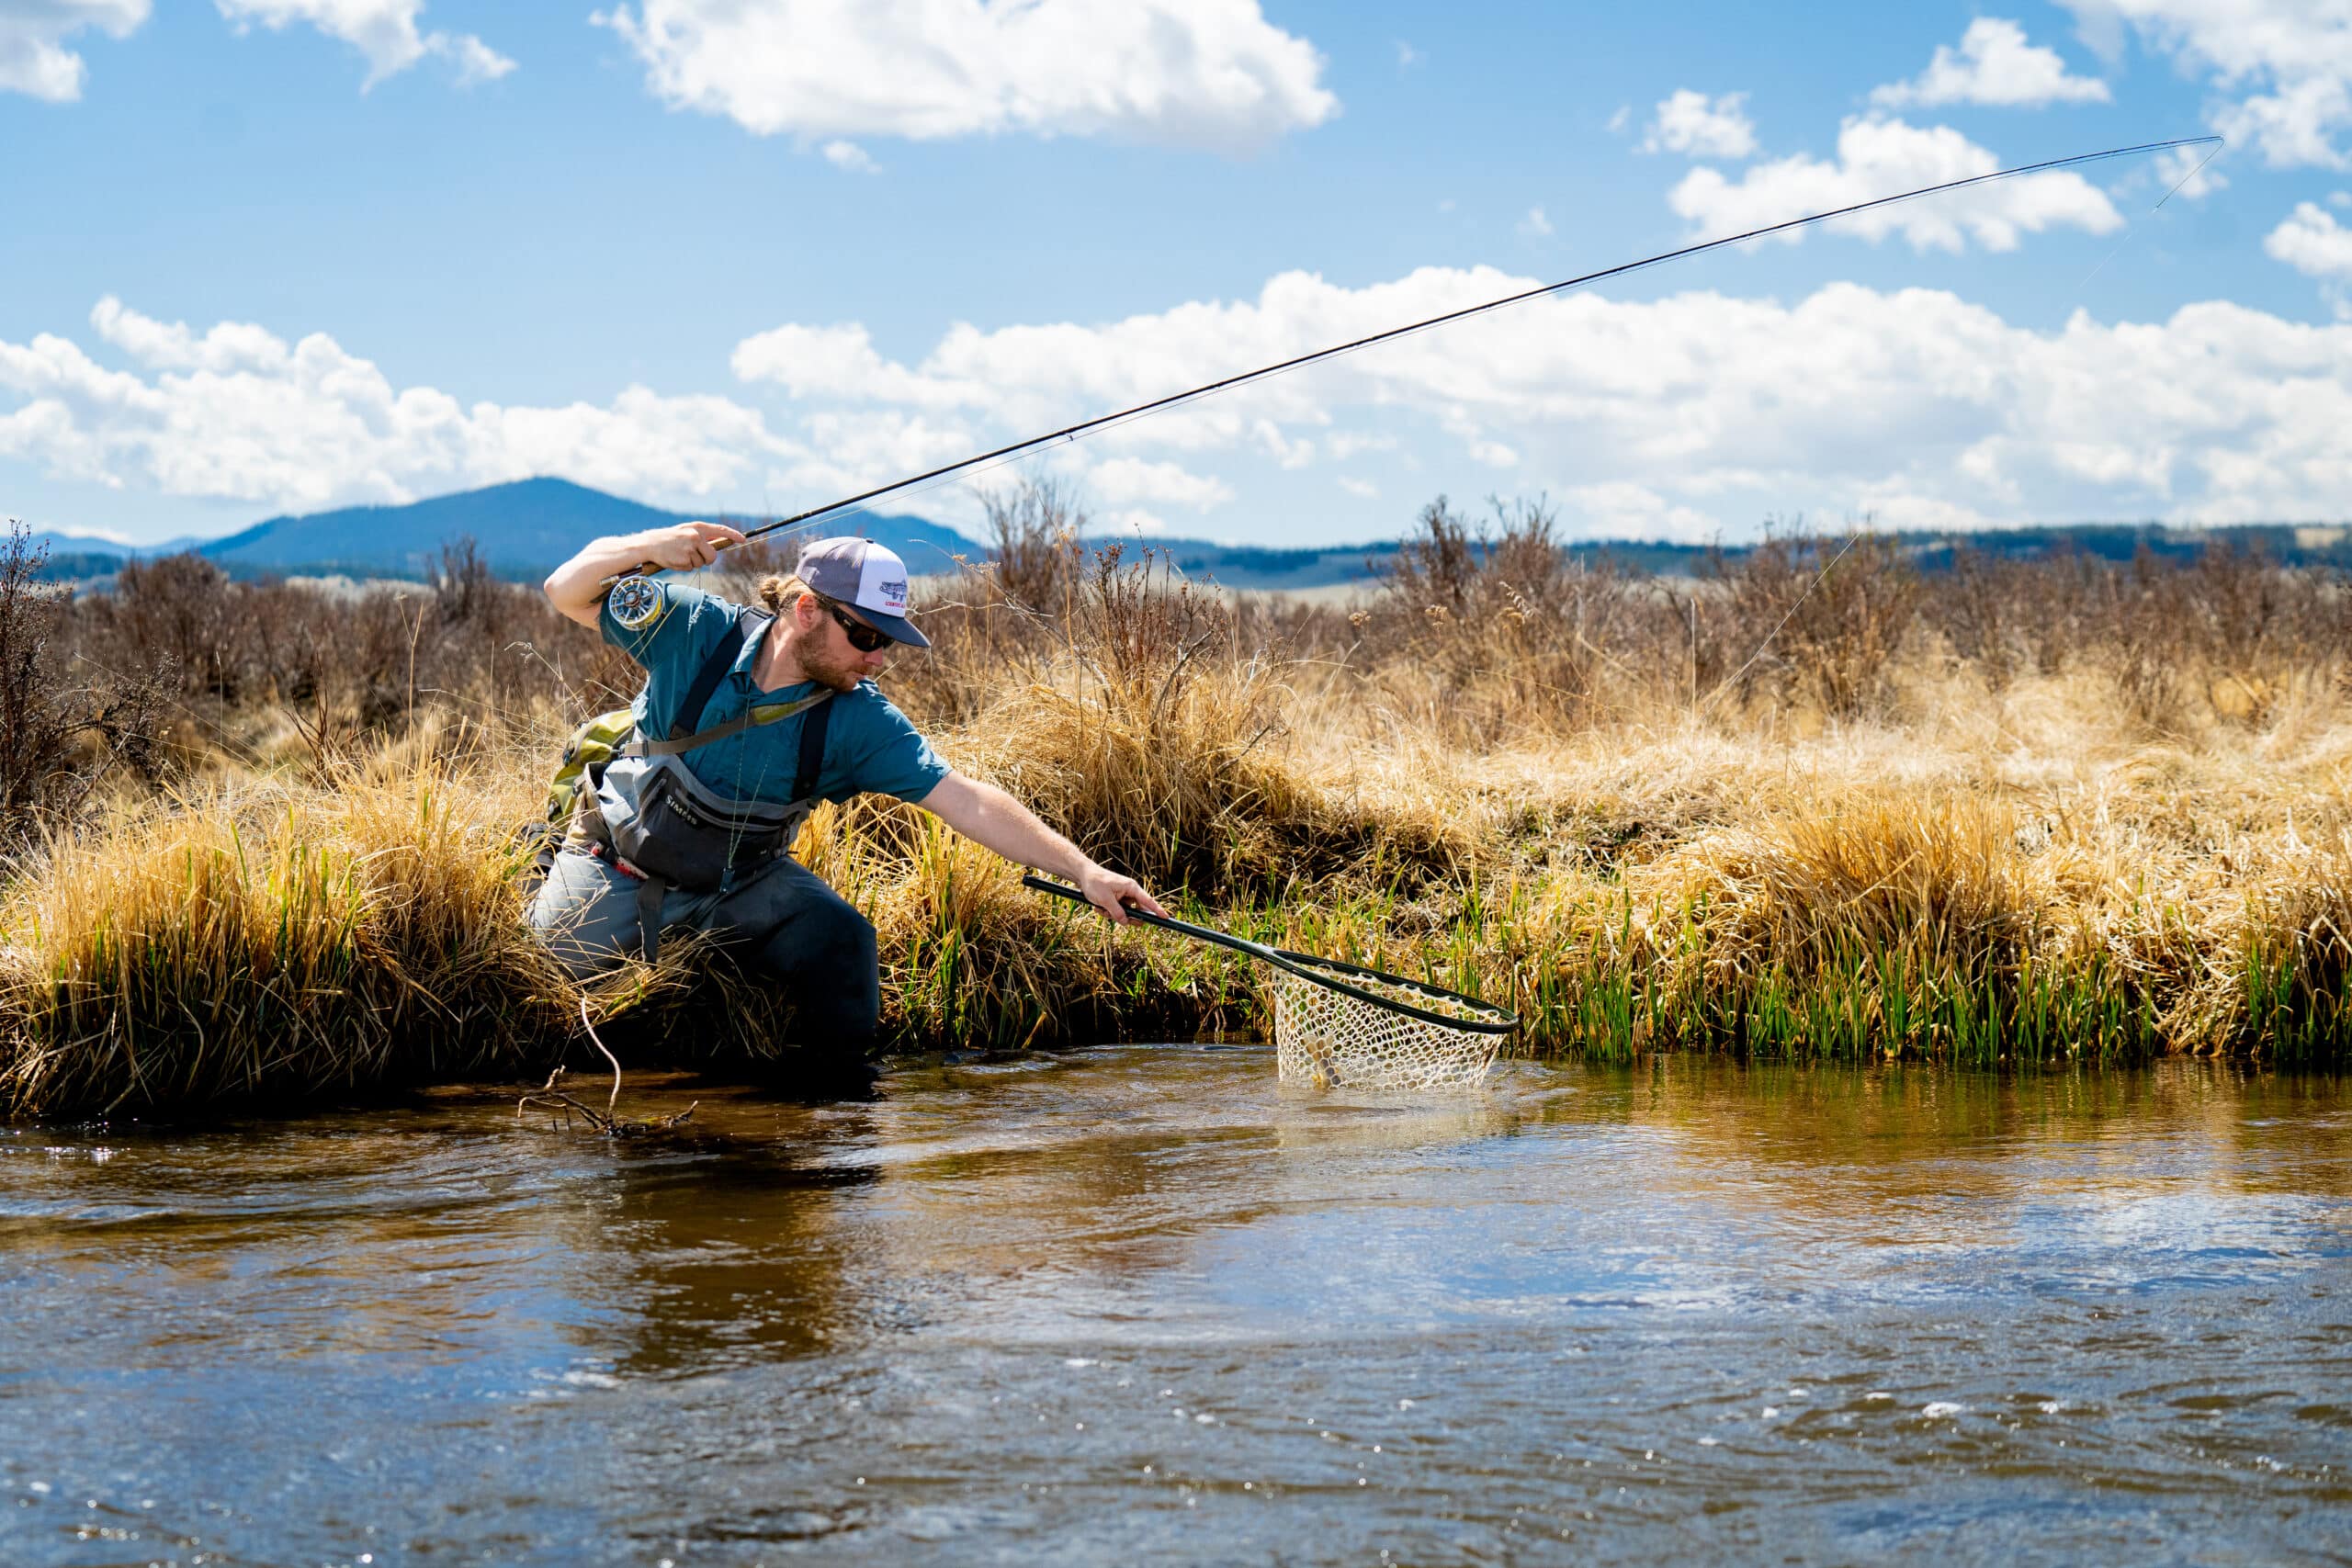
[855, 504]
[2132, 232]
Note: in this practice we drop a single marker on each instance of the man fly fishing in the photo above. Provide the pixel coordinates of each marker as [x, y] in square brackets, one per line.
[750, 715]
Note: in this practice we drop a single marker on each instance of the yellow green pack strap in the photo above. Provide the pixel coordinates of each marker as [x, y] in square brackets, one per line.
[750, 719]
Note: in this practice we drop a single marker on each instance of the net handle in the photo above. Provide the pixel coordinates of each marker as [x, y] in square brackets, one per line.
[1308, 967]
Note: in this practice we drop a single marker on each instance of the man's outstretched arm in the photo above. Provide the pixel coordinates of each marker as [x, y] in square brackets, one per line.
[577, 587]
[983, 812]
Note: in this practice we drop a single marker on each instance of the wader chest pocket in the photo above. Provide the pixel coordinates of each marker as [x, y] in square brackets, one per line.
[689, 842]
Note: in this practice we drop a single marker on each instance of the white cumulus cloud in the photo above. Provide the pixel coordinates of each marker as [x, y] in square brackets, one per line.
[1879, 157]
[1209, 73]
[2284, 66]
[1677, 417]
[33, 56]
[849, 156]
[385, 31]
[1125, 480]
[1691, 123]
[1623, 509]
[238, 412]
[2313, 243]
[1994, 65]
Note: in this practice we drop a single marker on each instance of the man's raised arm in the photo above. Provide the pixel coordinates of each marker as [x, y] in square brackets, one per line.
[577, 587]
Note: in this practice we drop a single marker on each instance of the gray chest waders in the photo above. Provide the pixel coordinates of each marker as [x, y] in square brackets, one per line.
[655, 820]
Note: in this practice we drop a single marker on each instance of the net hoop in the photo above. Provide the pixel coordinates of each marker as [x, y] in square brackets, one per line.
[1332, 973]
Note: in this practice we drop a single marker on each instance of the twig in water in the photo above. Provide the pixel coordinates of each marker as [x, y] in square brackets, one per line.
[609, 1120]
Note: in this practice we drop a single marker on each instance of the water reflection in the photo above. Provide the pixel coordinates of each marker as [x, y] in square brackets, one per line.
[729, 1252]
[1135, 1300]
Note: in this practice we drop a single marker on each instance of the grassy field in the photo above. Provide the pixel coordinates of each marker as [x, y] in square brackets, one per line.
[1809, 805]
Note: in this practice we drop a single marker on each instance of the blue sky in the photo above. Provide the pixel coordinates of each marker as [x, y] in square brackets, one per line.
[266, 255]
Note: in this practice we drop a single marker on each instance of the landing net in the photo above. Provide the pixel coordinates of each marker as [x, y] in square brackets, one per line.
[1331, 1040]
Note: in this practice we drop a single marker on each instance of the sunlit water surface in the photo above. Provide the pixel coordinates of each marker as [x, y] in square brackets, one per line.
[1135, 1304]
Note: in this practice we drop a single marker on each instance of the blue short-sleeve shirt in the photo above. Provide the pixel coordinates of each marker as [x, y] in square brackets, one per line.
[869, 744]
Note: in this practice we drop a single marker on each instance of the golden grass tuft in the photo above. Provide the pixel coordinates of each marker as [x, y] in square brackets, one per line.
[1938, 880]
[272, 940]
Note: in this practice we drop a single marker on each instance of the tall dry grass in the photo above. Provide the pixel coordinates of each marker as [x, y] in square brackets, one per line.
[273, 937]
[1809, 804]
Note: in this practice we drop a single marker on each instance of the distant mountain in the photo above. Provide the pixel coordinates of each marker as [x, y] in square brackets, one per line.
[524, 530]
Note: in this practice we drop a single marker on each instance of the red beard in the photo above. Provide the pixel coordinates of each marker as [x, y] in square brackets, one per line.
[841, 675]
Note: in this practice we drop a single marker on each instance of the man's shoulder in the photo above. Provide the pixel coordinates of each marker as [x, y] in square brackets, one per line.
[866, 700]
[701, 603]
[682, 620]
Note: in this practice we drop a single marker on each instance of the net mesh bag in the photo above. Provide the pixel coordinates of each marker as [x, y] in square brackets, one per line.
[1331, 1040]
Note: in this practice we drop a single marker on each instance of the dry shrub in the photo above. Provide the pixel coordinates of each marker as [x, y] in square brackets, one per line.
[2228, 636]
[59, 740]
[1809, 618]
[348, 663]
[1034, 557]
[1978, 611]
[1498, 629]
[1156, 743]
[1001, 619]
[1484, 630]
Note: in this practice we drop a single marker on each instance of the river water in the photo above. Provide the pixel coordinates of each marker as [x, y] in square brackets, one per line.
[1145, 1304]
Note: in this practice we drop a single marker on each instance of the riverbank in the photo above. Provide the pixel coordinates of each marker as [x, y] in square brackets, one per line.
[1563, 792]
[1860, 894]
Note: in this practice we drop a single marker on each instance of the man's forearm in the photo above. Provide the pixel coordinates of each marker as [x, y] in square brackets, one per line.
[994, 818]
[577, 587]
[985, 813]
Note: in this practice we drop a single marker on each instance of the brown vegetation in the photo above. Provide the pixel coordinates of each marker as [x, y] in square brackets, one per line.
[1809, 803]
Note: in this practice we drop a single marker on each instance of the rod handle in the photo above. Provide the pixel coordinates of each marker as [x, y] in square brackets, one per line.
[1063, 890]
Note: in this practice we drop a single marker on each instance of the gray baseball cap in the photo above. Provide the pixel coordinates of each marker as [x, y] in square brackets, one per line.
[868, 577]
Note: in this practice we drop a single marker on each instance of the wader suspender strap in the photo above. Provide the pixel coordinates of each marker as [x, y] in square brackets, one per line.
[713, 670]
[653, 890]
[813, 750]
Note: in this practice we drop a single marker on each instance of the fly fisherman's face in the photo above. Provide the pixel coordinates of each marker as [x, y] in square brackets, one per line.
[828, 657]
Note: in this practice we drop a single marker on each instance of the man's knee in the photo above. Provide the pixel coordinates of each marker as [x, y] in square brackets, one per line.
[825, 953]
[587, 924]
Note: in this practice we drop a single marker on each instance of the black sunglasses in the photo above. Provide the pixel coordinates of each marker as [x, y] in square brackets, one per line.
[863, 638]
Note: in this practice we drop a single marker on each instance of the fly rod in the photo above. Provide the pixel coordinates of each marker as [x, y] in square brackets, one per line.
[850, 503]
